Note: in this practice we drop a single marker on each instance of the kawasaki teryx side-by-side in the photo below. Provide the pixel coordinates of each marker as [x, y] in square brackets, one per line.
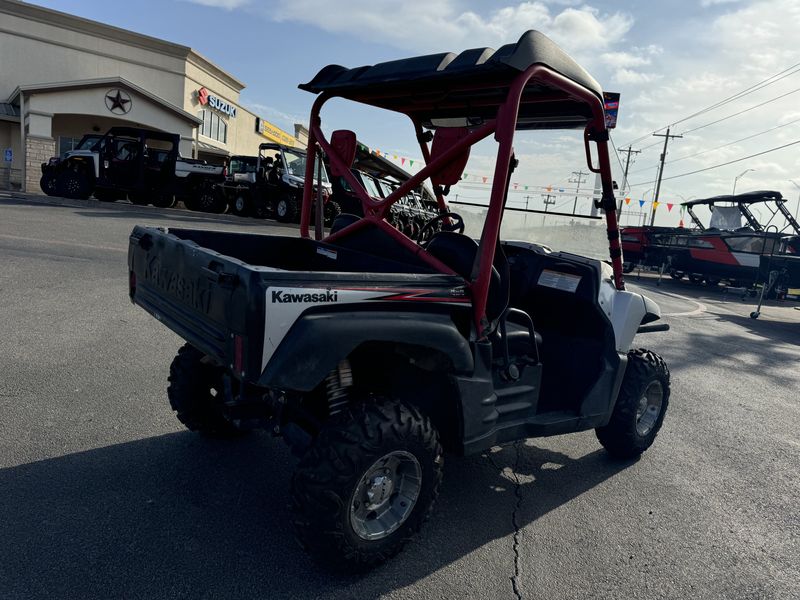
[373, 353]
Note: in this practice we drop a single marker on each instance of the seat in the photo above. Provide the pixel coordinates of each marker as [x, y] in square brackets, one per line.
[458, 252]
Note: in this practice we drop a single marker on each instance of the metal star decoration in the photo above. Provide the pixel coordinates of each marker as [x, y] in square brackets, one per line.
[117, 103]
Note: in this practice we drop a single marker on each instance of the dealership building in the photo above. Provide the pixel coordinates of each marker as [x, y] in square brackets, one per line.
[63, 76]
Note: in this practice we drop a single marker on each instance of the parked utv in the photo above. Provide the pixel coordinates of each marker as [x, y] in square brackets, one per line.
[140, 164]
[271, 184]
[372, 353]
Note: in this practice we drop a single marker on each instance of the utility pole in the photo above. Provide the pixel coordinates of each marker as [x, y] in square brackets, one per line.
[630, 151]
[666, 137]
[577, 178]
[548, 200]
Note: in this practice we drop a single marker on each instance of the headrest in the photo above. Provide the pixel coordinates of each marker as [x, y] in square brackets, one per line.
[444, 139]
[343, 143]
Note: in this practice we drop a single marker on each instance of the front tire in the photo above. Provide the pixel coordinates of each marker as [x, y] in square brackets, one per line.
[640, 407]
[240, 206]
[366, 485]
[196, 394]
[74, 185]
[48, 184]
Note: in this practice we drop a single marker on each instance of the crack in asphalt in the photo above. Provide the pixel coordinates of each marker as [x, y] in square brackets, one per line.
[515, 523]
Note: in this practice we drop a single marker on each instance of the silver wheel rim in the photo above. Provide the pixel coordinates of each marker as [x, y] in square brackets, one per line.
[385, 495]
[240, 204]
[649, 408]
[282, 208]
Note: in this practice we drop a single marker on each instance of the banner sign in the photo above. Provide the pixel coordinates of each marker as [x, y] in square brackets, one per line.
[611, 106]
[276, 134]
[207, 99]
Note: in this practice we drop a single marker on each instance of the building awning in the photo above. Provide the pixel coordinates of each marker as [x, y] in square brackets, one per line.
[104, 82]
[9, 112]
[211, 149]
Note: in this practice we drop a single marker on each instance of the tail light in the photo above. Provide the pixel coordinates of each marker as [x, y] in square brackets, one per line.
[225, 171]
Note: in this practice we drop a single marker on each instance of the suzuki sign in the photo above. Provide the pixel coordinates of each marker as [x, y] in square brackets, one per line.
[218, 104]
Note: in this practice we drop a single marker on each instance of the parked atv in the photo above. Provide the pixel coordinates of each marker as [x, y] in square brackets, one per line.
[139, 164]
[271, 184]
[373, 354]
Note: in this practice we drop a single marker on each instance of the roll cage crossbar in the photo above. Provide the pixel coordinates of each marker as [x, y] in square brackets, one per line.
[503, 125]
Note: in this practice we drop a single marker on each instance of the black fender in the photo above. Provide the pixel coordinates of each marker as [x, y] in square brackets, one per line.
[317, 342]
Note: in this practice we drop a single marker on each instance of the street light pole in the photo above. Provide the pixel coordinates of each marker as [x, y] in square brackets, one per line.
[738, 177]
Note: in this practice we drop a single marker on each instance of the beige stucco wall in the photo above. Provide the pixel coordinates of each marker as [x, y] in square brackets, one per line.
[34, 53]
[10, 138]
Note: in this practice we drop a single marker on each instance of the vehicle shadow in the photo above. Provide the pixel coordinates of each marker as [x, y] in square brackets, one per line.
[180, 515]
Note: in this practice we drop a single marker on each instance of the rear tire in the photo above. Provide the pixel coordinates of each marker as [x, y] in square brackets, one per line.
[240, 205]
[640, 407]
[331, 211]
[286, 208]
[163, 200]
[677, 275]
[196, 394]
[366, 485]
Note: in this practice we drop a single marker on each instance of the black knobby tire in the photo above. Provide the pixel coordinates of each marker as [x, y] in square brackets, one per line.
[163, 200]
[627, 267]
[327, 478]
[677, 275]
[696, 279]
[74, 185]
[624, 437]
[240, 205]
[286, 208]
[195, 393]
[331, 211]
[48, 184]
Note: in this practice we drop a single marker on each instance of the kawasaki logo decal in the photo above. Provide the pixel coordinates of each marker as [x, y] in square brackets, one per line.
[281, 297]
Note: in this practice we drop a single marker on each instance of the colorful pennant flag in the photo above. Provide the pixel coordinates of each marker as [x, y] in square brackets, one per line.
[669, 207]
[515, 185]
[410, 163]
[641, 203]
[402, 160]
[627, 200]
[394, 156]
[681, 223]
[484, 179]
[655, 205]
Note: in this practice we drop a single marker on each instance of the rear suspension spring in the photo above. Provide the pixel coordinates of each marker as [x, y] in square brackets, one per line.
[337, 383]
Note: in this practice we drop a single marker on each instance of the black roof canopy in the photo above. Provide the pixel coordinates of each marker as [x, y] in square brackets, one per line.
[450, 89]
[746, 198]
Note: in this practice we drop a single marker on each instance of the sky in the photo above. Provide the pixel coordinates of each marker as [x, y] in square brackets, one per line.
[668, 60]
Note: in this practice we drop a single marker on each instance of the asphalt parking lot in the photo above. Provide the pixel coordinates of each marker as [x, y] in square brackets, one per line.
[104, 495]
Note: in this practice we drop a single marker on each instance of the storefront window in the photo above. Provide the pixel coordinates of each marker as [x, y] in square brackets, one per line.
[213, 126]
[65, 144]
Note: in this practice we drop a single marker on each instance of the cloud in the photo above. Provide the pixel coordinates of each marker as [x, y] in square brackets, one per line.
[444, 24]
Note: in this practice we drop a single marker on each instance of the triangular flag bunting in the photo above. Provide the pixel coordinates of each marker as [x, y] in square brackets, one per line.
[515, 185]
[641, 203]
[410, 163]
[669, 207]
[394, 156]
[549, 188]
[526, 188]
[378, 152]
[402, 160]
[484, 179]
[627, 200]
[681, 223]
[655, 204]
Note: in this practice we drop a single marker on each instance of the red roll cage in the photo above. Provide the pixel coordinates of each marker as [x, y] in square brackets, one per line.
[496, 86]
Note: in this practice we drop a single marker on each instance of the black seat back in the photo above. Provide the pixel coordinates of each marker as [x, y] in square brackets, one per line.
[458, 252]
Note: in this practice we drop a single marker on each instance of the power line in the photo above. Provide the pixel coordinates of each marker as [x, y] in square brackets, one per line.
[736, 114]
[749, 137]
[753, 88]
[730, 162]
